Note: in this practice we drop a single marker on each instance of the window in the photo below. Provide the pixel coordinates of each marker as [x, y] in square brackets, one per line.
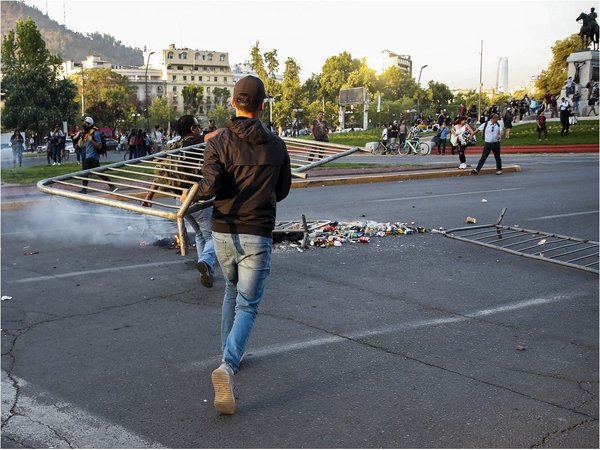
[216, 79]
[209, 56]
[183, 55]
[174, 88]
[222, 58]
[203, 57]
[197, 56]
[170, 55]
[224, 79]
[200, 78]
[179, 67]
[185, 78]
[159, 89]
[208, 92]
[192, 77]
[174, 77]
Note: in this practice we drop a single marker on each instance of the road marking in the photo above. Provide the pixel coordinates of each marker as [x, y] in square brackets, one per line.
[95, 271]
[392, 328]
[560, 216]
[445, 195]
[59, 424]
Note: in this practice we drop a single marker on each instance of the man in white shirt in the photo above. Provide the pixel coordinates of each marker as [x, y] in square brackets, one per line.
[492, 133]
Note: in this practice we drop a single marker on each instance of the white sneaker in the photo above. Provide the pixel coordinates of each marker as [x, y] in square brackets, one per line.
[53, 163]
[222, 380]
[462, 166]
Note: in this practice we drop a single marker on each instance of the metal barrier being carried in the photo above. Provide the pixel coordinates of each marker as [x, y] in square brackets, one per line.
[170, 178]
[568, 251]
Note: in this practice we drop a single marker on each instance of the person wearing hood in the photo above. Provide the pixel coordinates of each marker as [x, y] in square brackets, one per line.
[247, 170]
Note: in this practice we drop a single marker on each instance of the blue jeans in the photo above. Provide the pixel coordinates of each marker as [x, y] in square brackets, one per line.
[245, 260]
[201, 222]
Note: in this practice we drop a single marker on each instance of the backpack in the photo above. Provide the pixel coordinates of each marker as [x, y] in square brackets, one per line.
[102, 150]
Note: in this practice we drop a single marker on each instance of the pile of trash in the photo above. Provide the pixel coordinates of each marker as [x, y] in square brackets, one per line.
[335, 234]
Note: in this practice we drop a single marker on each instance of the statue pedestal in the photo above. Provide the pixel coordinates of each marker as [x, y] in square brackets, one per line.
[583, 67]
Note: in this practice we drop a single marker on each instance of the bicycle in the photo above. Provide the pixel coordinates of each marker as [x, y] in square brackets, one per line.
[386, 149]
[64, 155]
[413, 145]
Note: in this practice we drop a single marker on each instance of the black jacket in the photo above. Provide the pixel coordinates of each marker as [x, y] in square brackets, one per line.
[247, 169]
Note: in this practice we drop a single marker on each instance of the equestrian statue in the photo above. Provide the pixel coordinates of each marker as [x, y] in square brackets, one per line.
[589, 29]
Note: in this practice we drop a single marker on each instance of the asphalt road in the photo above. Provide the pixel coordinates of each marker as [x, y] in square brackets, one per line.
[406, 342]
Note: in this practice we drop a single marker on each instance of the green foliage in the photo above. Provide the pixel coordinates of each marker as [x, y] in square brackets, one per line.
[335, 75]
[192, 98]
[394, 83]
[291, 95]
[108, 96]
[34, 95]
[220, 115]
[160, 111]
[553, 78]
[222, 96]
[439, 95]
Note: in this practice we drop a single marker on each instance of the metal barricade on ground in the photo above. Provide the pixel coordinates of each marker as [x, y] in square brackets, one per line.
[172, 179]
[564, 250]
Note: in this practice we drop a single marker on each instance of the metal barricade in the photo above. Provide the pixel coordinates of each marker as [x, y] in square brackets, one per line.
[564, 250]
[171, 177]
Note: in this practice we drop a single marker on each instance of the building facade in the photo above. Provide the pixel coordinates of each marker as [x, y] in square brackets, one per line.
[391, 59]
[179, 68]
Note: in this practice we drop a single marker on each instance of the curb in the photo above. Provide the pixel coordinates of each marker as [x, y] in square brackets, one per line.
[382, 178]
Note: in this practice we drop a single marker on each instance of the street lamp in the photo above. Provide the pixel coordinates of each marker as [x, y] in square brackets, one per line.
[146, 88]
[419, 89]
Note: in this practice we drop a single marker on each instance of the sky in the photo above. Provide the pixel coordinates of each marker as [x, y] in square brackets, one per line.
[444, 35]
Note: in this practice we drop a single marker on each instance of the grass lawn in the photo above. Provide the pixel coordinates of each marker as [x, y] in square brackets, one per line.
[585, 132]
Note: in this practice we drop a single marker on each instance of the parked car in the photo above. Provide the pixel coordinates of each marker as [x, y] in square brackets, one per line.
[69, 145]
[111, 144]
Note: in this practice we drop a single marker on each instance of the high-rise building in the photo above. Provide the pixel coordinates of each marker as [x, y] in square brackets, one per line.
[502, 75]
[391, 59]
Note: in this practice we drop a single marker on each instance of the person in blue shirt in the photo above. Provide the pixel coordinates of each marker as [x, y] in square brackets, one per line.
[91, 143]
[443, 134]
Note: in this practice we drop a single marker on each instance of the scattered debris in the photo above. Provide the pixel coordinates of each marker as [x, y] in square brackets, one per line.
[471, 219]
[6, 297]
[542, 242]
[335, 234]
[31, 253]
[483, 200]
[520, 348]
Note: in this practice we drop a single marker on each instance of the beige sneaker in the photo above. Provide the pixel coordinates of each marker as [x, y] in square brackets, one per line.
[222, 380]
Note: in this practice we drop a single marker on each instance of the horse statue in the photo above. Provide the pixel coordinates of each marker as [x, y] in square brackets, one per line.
[589, 30]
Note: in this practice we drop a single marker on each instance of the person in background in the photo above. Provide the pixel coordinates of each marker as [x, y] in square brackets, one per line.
[384, 134]
[199, 219]
[92, 142]
[402, 132]
[247, 171]
[460, 134]
[565, 113]
[78, 151]
[443, 133]
[57, 142]
[319, 128]
[492, 133]
[541, 126]
[508, 120]
[17, 143]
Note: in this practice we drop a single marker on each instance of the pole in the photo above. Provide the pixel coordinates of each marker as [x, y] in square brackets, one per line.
[480, 76]
[82, 89]
[146, 89]
[419, 89]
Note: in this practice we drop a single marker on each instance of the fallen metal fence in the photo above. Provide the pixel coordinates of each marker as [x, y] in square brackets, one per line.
[170, 178]
[551, 247]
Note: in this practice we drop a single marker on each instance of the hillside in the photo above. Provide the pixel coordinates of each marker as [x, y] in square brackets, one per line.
[69, 45]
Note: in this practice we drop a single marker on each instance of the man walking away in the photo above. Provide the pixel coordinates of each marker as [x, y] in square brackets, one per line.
[541, 126]
[492, 133]
[247, 169]
[92, 143]
[320, 131]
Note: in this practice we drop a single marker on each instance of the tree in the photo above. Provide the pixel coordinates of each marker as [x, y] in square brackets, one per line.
[160, 111]
[439, 95]
[394, 83]
[266, 67]
[108, 96]
[291, 95]
[35, 96]
[192, 98]
[335, 74]
[220, 115]
[553, 78]
[222, 96]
